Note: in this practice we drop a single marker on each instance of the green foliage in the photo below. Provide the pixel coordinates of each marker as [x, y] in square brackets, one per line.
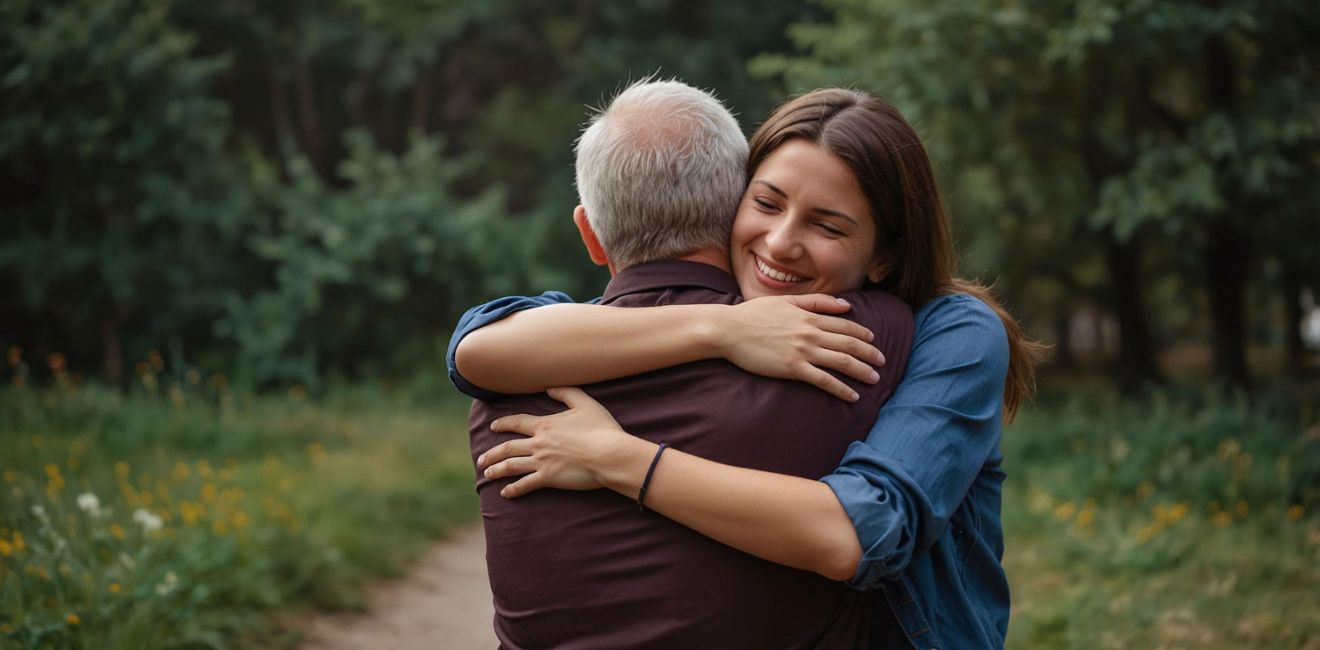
[152, 522]
[1182, 521]
[361, 267]
[110, 151]
[1094, 129]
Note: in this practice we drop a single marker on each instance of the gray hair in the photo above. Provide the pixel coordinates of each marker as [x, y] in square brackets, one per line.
[661, 171]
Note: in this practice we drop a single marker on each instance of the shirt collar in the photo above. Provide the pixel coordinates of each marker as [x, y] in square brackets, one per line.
[668, 274]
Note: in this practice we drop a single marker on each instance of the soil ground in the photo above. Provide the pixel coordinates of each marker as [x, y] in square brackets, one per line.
[443, 602]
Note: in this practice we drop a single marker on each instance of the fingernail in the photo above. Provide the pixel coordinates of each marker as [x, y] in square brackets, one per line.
[870, 336]
[841, 301]
[487, 472]
[855, 397]
[492, 425]
[481, 460]
[875, 376]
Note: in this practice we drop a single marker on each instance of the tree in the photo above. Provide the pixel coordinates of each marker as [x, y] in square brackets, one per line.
[1129, 121]
[111, 154]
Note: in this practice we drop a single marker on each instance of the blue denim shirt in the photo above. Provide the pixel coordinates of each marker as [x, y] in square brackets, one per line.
[924, 488]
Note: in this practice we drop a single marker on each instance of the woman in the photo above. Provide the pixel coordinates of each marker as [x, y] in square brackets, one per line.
[914, 510]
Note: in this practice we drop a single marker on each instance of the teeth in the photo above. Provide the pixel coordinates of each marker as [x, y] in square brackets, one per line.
[782, 277]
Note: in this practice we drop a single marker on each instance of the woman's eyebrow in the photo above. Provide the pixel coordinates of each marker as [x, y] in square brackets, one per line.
[772, 187]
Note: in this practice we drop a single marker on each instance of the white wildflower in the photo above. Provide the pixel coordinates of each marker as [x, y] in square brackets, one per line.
[126, 560]
[89, 504]
[168, 584]
[40, 513]
[150, 521]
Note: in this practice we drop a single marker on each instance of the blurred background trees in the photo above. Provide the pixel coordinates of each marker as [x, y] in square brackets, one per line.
[297, 190]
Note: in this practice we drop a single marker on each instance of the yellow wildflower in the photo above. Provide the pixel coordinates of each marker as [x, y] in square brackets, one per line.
[73, 619]
[1065, 510]
[182, 471]
[6, 549]
[1241, 508]
[122, 469]
[117, 531]
[1178, 511]
[1222, 519]
[1294, 513]
[114, 587]
[1085, 517]
[219, 527]
[239, 519]
[19, 543]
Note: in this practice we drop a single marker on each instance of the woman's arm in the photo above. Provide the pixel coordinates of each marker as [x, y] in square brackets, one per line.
[885, 502]
[567, 344]
[788, 520]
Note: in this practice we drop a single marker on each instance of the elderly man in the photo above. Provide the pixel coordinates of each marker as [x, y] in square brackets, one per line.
[660, 173]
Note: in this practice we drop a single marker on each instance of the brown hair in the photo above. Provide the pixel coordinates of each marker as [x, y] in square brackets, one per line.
[894, 172]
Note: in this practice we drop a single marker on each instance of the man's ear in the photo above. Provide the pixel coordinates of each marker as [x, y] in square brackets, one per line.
[594, 249]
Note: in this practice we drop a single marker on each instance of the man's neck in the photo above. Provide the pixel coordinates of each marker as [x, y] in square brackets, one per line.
[716, 258]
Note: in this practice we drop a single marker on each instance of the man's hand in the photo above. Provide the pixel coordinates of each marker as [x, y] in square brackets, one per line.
[790, 337]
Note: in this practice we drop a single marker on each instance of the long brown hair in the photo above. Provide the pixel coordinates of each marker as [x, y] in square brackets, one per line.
[895, 174]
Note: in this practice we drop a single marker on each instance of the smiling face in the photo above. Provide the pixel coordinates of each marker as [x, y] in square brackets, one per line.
[803, 226]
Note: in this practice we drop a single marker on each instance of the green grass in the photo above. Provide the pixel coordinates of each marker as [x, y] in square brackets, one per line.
[1176, 523]
[212, 510]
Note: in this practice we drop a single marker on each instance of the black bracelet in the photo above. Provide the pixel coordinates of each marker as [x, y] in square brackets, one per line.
[646, 482]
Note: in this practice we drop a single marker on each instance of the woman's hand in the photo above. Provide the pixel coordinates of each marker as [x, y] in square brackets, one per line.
[570, 450]
[790, 337]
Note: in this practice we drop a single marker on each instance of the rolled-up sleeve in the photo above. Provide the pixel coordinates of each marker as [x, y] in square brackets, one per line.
[902, 484]
[483, 315]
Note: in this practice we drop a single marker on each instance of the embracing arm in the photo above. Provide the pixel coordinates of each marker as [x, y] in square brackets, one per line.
[570, 344]
[788, 520]
[891, 497]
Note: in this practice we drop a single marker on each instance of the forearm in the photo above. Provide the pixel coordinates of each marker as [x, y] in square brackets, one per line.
[571, 344]
[784, 519]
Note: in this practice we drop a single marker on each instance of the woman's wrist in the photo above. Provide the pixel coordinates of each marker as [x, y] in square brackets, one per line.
[711, 331]
[622, 467]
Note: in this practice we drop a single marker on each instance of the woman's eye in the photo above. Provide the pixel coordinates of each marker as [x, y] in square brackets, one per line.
[764, 204]
[829, 229]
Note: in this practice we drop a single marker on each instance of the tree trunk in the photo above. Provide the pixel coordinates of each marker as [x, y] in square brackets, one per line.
[310, 118]
[419, 120]
[1292, 319]
[1063, 349]
[1136, 354]
[112, 353]
[1225, 258]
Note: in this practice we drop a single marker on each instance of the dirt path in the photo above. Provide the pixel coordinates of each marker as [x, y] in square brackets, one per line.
[444, 602]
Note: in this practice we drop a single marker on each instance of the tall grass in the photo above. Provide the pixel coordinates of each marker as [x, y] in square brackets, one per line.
[1179, 521]
[181, 519]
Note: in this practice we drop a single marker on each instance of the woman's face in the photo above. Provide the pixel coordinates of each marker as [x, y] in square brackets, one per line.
[803, 226]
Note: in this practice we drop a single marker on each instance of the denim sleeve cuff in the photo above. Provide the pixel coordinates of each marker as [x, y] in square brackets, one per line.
[483, 315]
[880, 511]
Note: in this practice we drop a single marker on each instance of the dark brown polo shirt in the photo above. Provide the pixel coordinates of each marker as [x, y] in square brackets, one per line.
[588, 570]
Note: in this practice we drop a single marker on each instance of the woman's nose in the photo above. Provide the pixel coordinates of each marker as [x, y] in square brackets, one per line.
[782, 240]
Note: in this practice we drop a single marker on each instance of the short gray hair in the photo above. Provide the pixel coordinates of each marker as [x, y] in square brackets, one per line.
[661, 171]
